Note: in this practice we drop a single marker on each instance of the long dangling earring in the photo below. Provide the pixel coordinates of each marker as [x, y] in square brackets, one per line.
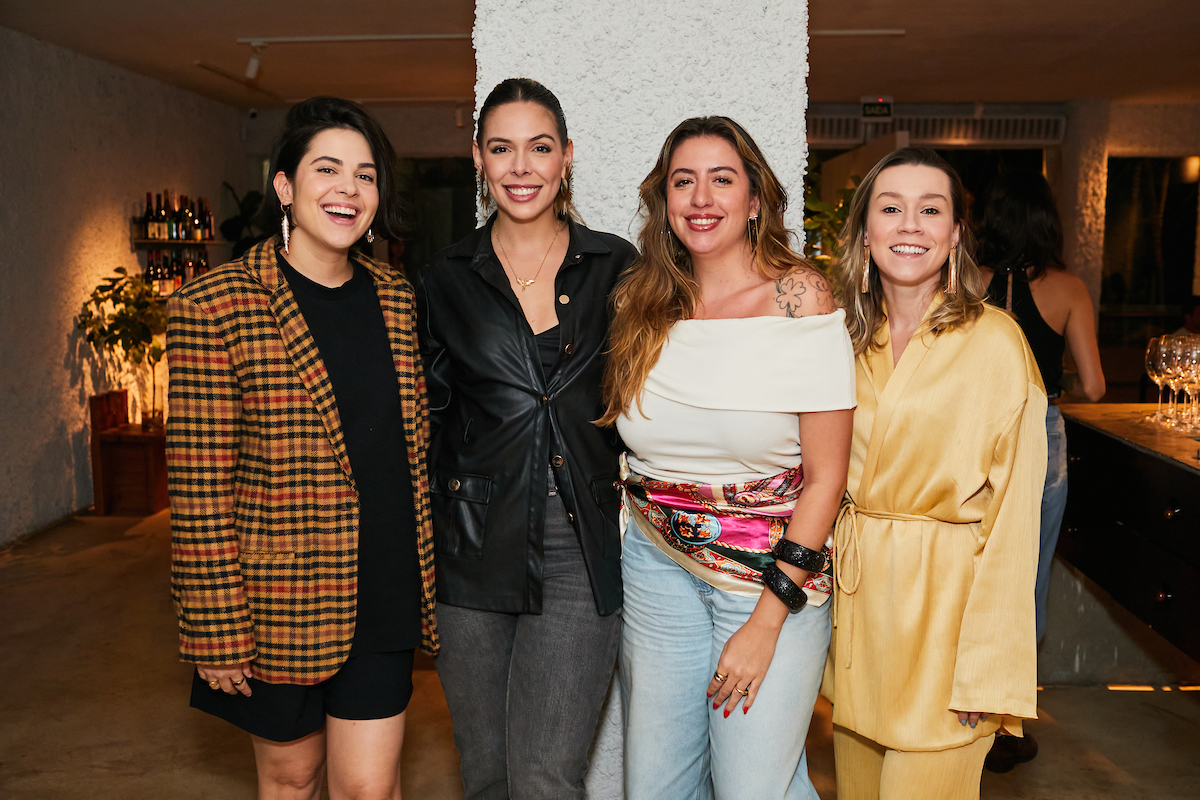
[287, 233]
[952, 278]
[752, 231]
[370, 236]
[866, 281]
[485, 199]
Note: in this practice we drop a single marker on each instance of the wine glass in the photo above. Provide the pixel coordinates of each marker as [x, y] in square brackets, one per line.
[1173, 374]
[1189, 360]
[1154, 368]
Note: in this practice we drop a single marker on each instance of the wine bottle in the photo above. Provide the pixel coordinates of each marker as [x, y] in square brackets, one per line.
[160, 218]
[148, 218]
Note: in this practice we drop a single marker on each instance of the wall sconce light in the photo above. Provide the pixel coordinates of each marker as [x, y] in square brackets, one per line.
[458, 116]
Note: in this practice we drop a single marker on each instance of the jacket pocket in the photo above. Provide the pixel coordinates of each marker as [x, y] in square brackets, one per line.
[460, 503]
[607, 495]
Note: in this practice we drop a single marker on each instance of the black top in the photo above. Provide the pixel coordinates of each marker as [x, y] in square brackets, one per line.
[347, 325]
[497, 418]
[547, 345]
[1046, 343]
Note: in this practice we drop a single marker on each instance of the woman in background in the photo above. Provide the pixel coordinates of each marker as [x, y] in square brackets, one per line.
[525, 507]
[1020, 253]
[934, 647]
[730, 361]
[301, 541]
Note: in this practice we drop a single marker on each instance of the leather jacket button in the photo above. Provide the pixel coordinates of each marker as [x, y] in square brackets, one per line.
[454, 484]
[570, 348]
[543, 399]
[557, 461]
[570, 518]
[562, 298]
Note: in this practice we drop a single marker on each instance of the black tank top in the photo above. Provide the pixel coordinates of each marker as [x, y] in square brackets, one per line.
[1046, 343]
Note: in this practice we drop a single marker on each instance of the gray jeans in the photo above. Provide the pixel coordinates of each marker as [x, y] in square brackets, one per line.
[525, 690]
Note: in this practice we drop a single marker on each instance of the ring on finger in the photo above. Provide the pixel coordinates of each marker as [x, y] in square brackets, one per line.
[743, 692]
[239, 682]
[719, 678]
[214, 684]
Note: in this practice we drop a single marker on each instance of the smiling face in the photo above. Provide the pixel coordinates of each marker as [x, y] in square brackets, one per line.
[333, 193]
[708, 197]
[522, 159]
[910, 225]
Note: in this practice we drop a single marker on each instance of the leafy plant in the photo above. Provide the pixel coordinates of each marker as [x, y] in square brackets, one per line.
[126, 312]
[242, 228]
[823, 222]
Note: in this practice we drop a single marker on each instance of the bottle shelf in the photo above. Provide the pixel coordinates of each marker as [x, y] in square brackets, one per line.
[154, 244]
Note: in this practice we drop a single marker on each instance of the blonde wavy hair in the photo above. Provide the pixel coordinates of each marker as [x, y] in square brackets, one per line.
[864, 310]
[659, 288]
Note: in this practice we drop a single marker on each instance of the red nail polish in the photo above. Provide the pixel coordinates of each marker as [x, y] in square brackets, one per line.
[727, 713]
[715, 706]
[745, 710]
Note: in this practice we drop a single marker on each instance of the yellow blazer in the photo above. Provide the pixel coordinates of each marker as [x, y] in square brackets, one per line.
[937, 544]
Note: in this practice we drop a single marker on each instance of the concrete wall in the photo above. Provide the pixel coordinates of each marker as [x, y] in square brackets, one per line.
[627, 78]
[82, 141]
[1154, 131]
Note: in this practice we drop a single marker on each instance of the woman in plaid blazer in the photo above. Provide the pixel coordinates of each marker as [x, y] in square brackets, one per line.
[301, 538]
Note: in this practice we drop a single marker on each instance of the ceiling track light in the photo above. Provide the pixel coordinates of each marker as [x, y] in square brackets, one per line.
[263, 41]
[855, 32]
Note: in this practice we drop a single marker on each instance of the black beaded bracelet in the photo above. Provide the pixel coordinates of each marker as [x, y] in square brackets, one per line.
[784, 588]
[800, 556]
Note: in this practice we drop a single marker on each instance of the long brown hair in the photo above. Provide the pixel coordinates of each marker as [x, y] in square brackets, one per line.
[864, 310]
[659, 289]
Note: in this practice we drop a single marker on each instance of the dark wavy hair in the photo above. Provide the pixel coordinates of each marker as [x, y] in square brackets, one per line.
[304, 121]
[527, 90]
[1019, 227]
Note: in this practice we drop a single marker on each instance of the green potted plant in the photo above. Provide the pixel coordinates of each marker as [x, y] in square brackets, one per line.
[823, 222]
[125, 312]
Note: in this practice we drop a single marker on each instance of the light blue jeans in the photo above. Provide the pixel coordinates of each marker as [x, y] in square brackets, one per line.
[676, 746]
[1054, 502]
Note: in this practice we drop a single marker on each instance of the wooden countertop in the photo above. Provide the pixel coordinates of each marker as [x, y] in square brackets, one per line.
[1126, 421]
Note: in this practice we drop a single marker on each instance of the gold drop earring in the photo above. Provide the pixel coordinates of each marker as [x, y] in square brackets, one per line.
[866, 280]
[952, 278]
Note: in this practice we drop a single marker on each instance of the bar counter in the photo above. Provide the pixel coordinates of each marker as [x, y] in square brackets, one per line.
[1132, 522]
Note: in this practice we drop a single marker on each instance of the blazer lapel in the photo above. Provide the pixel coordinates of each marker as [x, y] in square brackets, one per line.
[300, 347]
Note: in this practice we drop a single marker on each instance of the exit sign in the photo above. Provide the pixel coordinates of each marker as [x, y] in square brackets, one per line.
[876, 107]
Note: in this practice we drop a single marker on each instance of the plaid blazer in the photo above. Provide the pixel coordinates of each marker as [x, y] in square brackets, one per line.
[264, 513]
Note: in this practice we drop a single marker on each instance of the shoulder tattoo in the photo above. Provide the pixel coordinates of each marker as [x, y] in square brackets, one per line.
[790, 294]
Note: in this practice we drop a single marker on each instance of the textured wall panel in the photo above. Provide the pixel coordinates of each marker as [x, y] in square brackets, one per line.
[83, 143]
[629, 71]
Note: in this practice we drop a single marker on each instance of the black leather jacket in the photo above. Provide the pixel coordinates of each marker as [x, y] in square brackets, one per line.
[498, 423]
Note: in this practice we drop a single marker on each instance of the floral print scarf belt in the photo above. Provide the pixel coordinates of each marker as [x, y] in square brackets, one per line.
[730, 528]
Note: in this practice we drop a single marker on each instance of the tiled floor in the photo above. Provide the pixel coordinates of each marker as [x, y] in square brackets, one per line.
[93, 703]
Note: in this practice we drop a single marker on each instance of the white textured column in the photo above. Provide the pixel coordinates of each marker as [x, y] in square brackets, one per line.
[1084, 191]
[627, 72]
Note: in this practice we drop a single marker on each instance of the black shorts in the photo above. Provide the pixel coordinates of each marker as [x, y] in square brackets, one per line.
[368, 686]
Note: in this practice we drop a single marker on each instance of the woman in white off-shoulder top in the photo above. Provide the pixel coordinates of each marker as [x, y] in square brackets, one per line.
[729, 360]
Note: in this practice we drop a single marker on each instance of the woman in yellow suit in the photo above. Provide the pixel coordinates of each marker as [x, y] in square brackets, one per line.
[936, 544]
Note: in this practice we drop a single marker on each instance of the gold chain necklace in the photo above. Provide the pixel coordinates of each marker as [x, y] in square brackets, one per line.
[525, 284]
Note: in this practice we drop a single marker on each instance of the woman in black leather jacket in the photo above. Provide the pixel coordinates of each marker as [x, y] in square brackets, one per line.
[525, 508]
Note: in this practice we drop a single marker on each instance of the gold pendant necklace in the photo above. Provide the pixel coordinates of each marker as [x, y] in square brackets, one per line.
[525, 284]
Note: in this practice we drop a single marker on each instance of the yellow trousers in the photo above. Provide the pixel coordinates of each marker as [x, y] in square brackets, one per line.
[867, 770]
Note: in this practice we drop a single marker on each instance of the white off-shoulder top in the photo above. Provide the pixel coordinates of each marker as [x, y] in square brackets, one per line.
[720, 404]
